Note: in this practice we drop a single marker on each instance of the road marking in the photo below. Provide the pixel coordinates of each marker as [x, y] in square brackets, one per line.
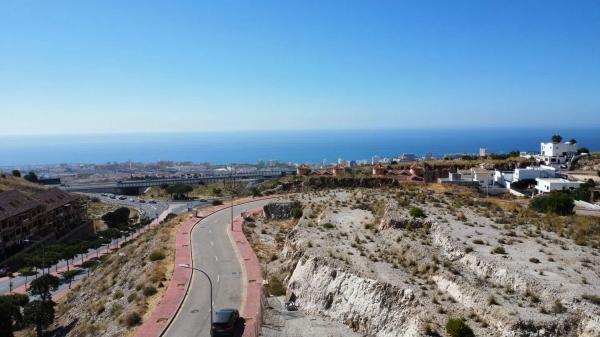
[212, 243]
[218, 277]
[216, 258]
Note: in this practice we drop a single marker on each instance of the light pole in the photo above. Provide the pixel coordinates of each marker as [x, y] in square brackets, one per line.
[183, 265]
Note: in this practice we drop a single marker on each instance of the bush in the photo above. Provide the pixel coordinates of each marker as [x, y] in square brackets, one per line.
[149, 291]
[16, 173]
[217, 202]
[417, 212]
[534, 260]
[31, 177]
[276, 287]
[328, 225]
[554, 202]
[296, 212]
[458, 328]
[132, 319]
[499, 250]
[156, 255]
[132, 297]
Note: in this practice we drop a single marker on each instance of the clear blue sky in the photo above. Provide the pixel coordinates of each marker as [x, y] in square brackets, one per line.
[118, 66]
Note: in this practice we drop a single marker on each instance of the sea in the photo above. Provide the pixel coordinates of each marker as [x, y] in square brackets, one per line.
[284, 146]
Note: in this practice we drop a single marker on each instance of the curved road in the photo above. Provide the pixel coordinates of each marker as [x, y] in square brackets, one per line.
[212, 251]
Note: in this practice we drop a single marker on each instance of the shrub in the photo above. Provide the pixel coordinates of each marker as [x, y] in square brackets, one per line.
[478, 241]
[534, 260]
[118, 294]
[132, 319]
[132, 297]
[217, 202]
[156, 255]
[276, 287]
[296, 212]
[458, 328]
[499, 250]
[417, 212]
[328, 225]
[149, 291]
[554, 202]
[592, 298]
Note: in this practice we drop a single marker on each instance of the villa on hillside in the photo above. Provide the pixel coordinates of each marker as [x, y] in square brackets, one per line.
[556, 153]
[546, 185]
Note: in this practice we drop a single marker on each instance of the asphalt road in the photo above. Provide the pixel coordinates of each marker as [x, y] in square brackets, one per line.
[212, 252]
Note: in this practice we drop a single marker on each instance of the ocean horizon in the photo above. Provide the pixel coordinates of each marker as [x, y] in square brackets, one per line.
[285, 146]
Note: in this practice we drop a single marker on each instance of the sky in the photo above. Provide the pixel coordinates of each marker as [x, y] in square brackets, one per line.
[170, 66]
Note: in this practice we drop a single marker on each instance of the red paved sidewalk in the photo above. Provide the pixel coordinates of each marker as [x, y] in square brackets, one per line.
[178, 286]
[253, 304]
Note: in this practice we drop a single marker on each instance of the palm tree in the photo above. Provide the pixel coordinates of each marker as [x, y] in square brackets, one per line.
[556, 138]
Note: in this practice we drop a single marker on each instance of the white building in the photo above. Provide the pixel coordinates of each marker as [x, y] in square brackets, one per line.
[557, 153]
[533, 172]
[545, 185]
[483, 152]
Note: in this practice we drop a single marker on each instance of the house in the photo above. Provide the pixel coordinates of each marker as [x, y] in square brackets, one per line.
[557, 153]
[546, 185]
[532, 172]
[483, 152]
[51, 212]
[339, 170]
[471, 177]
[378, 170]
[506, 178]
[303, 170]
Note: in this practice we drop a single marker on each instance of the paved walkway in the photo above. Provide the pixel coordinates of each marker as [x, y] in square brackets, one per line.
[253, 301]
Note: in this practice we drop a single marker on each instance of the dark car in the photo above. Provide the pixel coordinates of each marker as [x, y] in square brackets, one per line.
[224, 322]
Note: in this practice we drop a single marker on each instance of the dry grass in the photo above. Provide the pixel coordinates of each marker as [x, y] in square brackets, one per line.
[9, 182]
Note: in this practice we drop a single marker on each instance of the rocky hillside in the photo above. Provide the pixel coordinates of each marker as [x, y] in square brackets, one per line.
[369, 260]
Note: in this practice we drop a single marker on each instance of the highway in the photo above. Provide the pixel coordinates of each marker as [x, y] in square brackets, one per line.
[212, 251]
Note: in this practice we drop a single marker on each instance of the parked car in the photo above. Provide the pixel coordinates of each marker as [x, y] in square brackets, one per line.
[122, 198]
[152, 201]
[112, 197]
[142, 201]
[224, 322]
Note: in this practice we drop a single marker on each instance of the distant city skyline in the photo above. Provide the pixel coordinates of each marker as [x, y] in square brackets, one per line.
[71, 67]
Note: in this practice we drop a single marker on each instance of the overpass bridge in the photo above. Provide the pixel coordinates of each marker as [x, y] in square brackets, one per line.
[132, 187]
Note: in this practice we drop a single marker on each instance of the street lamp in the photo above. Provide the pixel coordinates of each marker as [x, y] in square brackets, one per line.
[184, 265]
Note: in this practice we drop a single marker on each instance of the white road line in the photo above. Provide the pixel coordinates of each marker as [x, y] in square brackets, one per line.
[212, 243]
[218, 277]
[216, 258]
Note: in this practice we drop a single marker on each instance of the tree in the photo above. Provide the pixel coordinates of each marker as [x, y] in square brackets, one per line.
[43, 286]
[583, 150]
[555, 202]
[458, 328]
[556, 138]
[117, 218]
[69, 275]
[573, 141]
[31, 176]
[10, 313]
[41, 312]
[16, 173]
[179, 191]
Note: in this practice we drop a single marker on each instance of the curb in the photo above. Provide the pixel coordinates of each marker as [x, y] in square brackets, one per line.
[252, 303]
